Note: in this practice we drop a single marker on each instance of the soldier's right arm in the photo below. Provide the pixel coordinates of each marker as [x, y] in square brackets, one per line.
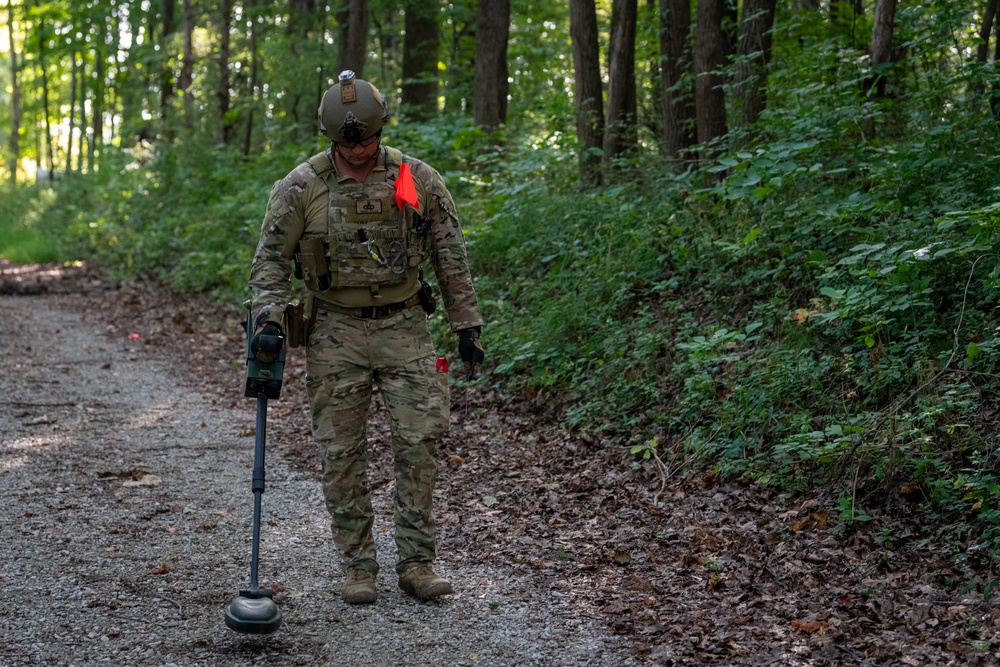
[280, 232]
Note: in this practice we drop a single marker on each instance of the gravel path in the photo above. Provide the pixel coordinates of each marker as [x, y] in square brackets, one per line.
[126, 531]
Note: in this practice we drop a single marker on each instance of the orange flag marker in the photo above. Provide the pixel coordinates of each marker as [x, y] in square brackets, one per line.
[406, 192]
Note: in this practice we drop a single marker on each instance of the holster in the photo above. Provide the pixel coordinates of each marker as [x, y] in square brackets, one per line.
[427, 300]
[299, 320]
[293, 325]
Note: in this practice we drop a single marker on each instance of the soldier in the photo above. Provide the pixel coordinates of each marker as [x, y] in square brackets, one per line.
[360, 220]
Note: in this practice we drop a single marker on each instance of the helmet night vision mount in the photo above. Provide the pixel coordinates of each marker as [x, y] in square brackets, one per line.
[352, 110]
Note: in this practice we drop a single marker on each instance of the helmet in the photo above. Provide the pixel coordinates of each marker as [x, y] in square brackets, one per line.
[352, 110]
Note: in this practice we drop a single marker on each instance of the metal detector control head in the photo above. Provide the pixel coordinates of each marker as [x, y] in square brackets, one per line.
[264, 376]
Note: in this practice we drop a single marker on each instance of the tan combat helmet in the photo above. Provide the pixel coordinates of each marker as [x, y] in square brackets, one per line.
[352, 110]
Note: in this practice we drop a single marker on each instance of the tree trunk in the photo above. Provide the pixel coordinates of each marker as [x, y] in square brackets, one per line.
[352, 49]
[97, 104]
[44, 67]
[420, 59]
[710, 101]
[885, 12]
[15, 98]
[492, 32]
[301, 22]
[83, 111]
[730, 28]
[166, 51]
[754, 56]
[619, 132]
[73, 79]
[187, 66]
[588, 93]
[252, 82]
[983, 50]
[676, 82]
[222, 93]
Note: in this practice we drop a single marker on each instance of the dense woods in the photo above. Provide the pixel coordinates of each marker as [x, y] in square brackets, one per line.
[752, 236]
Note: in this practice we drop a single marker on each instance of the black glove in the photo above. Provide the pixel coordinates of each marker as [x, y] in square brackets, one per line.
[470, 348]
[267, 343]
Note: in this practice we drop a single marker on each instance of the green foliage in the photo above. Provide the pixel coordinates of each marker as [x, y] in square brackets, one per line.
[816, 307]
[22, 239]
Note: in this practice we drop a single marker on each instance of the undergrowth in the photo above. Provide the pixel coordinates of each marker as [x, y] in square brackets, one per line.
[817, 308]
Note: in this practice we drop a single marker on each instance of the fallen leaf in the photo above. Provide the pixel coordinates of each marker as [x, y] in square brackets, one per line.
[810, 626]
[145, 480]
[162, 568]
[802, 524]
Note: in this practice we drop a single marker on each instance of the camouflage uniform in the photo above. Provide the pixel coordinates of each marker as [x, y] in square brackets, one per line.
[358, 339]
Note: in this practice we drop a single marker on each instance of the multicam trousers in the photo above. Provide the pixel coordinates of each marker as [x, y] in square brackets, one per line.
[345, 356]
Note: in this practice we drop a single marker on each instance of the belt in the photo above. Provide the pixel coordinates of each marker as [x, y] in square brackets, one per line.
[369, 312]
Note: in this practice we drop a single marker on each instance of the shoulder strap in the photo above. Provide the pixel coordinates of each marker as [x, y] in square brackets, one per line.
[321, 164]
[393, 158]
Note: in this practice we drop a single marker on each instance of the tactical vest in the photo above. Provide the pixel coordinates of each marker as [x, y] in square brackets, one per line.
[369, 242]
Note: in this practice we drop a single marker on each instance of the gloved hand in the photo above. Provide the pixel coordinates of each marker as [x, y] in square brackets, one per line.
[266, 344]
[470, 348]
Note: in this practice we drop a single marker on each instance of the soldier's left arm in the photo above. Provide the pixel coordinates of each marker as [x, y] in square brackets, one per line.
[449, 255]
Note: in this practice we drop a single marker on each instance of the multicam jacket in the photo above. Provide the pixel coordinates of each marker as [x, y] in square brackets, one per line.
[374, 258]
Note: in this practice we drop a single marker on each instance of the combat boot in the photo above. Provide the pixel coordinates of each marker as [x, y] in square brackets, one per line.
[421, 580]
[359, 587]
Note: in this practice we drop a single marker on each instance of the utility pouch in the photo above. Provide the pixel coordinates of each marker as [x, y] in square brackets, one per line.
[293, 325]
[312, 262]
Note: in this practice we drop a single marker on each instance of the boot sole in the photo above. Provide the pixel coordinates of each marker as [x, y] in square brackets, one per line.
[364, 597]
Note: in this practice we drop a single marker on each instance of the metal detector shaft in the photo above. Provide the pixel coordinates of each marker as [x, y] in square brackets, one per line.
[258, 484]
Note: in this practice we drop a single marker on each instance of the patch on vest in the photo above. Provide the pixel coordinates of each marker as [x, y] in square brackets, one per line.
[369, 206]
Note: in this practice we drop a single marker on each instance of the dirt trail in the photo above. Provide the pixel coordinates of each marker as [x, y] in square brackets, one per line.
[126, 524]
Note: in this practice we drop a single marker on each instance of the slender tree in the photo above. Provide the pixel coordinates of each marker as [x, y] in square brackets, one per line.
[983, 49]
[710, 100]
[82, 135]
[619, 132]
[492, 33]
[460, 76]
[43, 66]
[224, 124]
[74, 76]
[420, 59]
[187, 65]
[352, 48]
[167, 31]
[252, 87]
[587, 90]
[881, 54]
[15, 98]
[754, 52]
[298, 70]
[676, 82]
